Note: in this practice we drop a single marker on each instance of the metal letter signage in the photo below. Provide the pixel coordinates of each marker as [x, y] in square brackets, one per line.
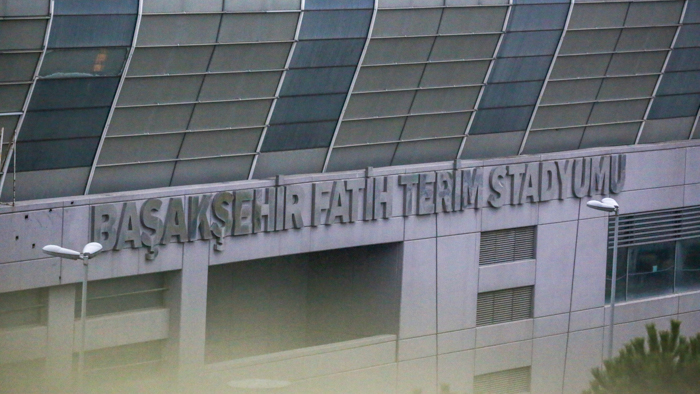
[160, 221]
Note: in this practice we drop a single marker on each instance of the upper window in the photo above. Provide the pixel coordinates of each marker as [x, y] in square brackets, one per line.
[511, 244]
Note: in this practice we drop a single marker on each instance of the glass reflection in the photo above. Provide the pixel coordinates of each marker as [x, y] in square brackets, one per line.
[92, 62]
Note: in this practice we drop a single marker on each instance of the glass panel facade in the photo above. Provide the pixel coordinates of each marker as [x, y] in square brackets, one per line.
[91, 31]
[90, 62]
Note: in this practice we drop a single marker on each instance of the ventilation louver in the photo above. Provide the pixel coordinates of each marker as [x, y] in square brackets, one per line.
[511, 381]
[502, 306]
[507, 245]
[660, 226]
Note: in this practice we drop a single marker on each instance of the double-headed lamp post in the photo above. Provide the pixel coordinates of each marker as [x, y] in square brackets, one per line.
[89, 251]
[611, 206]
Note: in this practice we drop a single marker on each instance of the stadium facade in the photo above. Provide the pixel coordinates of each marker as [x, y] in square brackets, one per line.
[375, 196]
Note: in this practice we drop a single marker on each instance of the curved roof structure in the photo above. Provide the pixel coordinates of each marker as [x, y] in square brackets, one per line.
[133, 94]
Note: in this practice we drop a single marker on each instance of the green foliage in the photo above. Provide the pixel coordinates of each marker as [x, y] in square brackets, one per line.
[663, 363]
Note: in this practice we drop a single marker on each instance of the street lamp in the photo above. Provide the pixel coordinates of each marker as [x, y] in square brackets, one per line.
[89, 251]
[611, 206]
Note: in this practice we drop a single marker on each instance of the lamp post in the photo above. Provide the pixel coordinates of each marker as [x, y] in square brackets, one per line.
[611, 206]
[89, 251]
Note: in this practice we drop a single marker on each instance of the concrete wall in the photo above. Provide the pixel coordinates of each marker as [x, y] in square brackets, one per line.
[436, 341]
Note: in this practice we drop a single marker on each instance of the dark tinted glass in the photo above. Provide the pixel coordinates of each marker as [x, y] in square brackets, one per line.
[688, 36]
[538, 17]
[67, 123]
[48, 155]
[529, 44]
[86, 7]
[66, 63]
[674, 106]
[651, 270]
[324, 53]
[503, 119]
[335, 24]
[317, 80]
[511, 94]
[308, 108]
[91, 31]
[692, 12]
[688, 267]
[338, 4]
[298, 136]
[684, 60]
[73, 93]
[680, 82]
[520, 69]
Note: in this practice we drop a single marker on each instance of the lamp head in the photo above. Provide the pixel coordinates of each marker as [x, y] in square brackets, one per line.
[57, 251]
[607, 205]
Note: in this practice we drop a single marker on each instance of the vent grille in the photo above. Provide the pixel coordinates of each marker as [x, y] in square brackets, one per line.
[507, 245]
[511, 381]
[656, 227]
[502, 306]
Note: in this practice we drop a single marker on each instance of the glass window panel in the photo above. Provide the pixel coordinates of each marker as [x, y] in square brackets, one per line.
[650, 270]
[610, 135]
[317, 80]
[16, 67]
[327, 53]
[220, 142]
[399, 50]
[636, 63]
[335, 24]
[223, 169]
[67, 123]
[134, 177]
[688, 266]
[92, 31]
[646, 39]
[46, 155]
[338, 4]
[586, 16]
[689, 36]
[209, 116]
[618, 111]
[239, 86]
[178, 29]
[529, 43]
[472, 20]
[303, 161]
[12, 97]
[684, 60]
[93, 62]
[24, 8]
[464, 47]
[492, 145]
[556, 140]
[662, 130]
[54, 183]
[454, 74]
[680, 82]
[620, 277]
[308, 108]
[140, 148]
[520, 69]
[388, 78]
[182, 6]
[674, 106]
[488, 121]
[258, 27]
[627, 87]
[358, 157]
[174, 60]
[88, 7]
[150, 119]
[257, 5]
[446, 99]
[692, 12]
[403, 23]
[160, 90]
[22, 34]
[243, 57]
[8, 123]
[369, 131]
[510, 94]
[564, 92]
[562, 116]
[378, 104]
[538, 17]
[73, 93]
[589, 41]
[443, 125]
[654, 13]
[298, 136]
[426, 151]
[580, 66]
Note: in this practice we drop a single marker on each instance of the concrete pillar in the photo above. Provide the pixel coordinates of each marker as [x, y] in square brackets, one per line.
[59, 347]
